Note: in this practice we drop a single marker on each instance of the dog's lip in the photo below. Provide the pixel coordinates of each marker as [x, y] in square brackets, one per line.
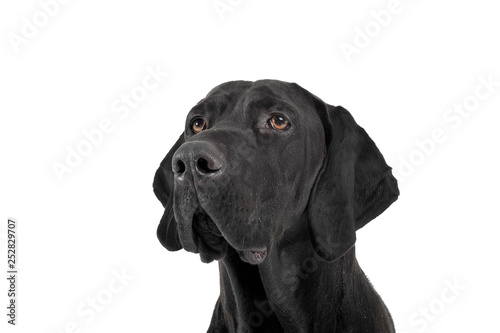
[209, 252]
[253, 256]
[208, 222]
[210, 243]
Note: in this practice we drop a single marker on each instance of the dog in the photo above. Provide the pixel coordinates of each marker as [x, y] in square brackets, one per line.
[273, 183]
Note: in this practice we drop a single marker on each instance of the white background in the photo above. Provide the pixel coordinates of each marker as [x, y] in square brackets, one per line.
[102, 217]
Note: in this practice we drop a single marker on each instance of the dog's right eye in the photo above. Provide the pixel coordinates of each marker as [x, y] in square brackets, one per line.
[198, 124]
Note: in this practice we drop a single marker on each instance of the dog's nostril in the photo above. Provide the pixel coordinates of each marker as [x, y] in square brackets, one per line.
[204, 166]
[179, 167]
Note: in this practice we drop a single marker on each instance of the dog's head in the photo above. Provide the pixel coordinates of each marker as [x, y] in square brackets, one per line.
[256, 157]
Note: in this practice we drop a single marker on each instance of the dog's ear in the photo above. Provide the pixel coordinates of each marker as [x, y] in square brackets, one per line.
[163, 186]
[353, 187]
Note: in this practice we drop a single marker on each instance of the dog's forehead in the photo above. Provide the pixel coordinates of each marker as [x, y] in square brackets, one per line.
[245, 96]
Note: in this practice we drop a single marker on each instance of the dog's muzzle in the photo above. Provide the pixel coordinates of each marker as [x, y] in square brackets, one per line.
[199, 169]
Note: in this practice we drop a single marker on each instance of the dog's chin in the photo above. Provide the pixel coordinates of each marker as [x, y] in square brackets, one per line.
[254, 256]
[211, 244]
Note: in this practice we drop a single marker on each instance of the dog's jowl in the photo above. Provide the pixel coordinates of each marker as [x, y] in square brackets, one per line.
[273, 183]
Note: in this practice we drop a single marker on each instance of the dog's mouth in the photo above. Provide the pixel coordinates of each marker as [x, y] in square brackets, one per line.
[208, 238]
[212, 245]
[203, 222]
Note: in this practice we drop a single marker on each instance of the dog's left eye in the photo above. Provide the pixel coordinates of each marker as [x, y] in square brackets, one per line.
[279, 122]
[198, 125]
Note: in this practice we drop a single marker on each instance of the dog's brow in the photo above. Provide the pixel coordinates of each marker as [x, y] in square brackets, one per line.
[266, 102]
[270, 104]
[209, 105]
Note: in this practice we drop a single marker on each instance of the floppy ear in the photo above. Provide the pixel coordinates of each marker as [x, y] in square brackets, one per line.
[163, 186]
[353, 187]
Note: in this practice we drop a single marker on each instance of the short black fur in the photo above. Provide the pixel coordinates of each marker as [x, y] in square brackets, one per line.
[278, 209]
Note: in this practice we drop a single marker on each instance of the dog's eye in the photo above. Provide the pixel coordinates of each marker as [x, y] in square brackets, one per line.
[198, 125]
[278, 122]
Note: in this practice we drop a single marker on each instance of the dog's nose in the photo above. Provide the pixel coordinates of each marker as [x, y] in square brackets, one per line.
[197, 157]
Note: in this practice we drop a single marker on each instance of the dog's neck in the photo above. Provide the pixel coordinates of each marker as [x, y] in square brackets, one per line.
[294, 290]
[281, 293]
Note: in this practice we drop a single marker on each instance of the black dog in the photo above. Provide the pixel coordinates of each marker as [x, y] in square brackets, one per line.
[273, 183]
